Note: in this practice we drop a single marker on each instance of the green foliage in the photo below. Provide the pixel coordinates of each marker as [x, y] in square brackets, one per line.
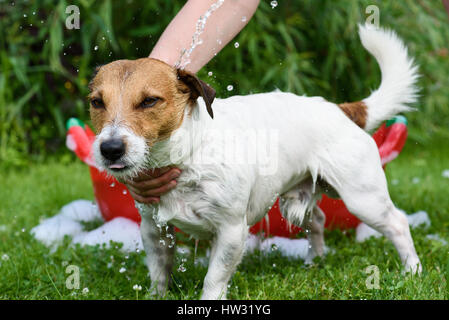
[307, 47]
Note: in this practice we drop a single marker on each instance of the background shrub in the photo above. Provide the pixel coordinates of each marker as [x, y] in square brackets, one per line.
[307, 47]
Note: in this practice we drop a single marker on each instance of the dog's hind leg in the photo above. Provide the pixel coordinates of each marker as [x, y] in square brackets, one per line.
[363, 188]
[299, 207]
[159, 244]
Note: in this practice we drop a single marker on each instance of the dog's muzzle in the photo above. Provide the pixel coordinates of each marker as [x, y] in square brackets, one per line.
[112, 149]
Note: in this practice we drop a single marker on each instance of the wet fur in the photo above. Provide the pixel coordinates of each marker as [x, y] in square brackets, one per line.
[317, 148]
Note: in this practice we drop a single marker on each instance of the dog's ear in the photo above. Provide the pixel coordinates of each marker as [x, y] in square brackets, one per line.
[198, 88]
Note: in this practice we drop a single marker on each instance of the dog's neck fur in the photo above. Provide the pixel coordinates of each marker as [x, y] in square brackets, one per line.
[179, 148]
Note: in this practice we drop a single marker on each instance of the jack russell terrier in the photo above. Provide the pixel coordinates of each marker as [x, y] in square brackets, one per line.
[148, 114]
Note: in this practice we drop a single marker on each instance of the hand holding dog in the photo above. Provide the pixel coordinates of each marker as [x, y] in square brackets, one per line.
[149, 185]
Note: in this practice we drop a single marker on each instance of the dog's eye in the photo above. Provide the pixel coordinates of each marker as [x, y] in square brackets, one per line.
[97, 103]
[148, 102]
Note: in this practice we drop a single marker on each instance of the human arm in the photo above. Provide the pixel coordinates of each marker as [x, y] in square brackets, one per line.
[221, 27]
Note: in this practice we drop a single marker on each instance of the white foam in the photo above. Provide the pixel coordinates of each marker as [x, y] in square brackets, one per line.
[291, 248]
[437, 238]
[121, 230]
[67, 222]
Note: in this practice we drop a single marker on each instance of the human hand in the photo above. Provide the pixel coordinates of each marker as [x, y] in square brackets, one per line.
[149, 185]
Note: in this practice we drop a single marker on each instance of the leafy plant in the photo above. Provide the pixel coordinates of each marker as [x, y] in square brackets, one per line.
[306, 47]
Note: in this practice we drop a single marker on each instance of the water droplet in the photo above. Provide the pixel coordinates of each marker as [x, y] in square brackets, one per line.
[96, 48]
[124, 192]
[244, 19]
[210, 73]
[230, 87]
[112, 185]
[24, 15]
[236, 45]
[162, 242]
[122, 270]
[273, 4]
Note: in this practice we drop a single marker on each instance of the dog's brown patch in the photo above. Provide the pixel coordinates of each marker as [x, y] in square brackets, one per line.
[356, 111]
[122, 85]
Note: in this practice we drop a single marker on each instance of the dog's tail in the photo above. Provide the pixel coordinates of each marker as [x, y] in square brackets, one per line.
[399, 75]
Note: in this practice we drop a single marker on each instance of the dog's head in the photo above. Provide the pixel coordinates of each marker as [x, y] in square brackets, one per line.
[135, 104]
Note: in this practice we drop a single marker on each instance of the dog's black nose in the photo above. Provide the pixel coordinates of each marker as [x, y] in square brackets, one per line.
[112, 149]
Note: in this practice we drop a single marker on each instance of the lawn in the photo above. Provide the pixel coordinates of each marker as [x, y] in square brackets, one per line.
[29, 270]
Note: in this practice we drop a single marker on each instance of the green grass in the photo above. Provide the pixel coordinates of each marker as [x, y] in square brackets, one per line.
[33, 272]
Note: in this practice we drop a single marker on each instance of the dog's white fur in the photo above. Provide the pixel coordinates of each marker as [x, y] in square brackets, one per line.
[219, 200]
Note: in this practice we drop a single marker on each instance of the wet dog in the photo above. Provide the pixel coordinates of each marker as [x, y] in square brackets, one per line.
[239, 156]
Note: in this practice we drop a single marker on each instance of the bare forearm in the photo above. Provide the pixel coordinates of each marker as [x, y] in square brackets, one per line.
[221, 27]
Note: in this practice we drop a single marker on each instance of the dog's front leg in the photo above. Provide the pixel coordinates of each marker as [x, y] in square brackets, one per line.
[159, 244]
[226, 254]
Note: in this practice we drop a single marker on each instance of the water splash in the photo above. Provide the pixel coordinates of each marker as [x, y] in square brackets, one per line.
[184, 59]
[273, 4]
[230, 87]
